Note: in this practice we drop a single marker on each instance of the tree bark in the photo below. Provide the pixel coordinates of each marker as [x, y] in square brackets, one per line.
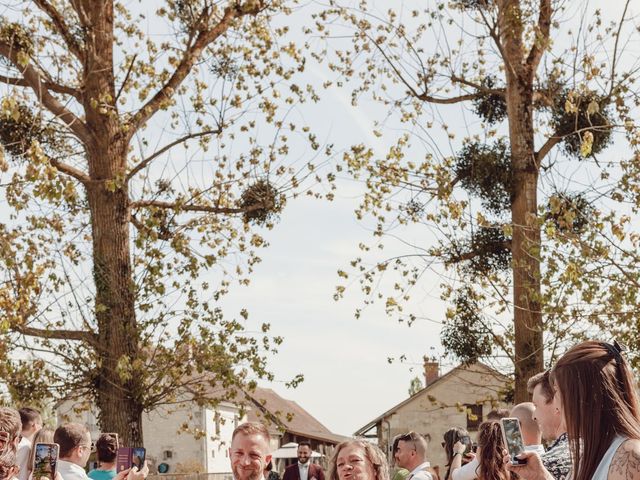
[527, 313]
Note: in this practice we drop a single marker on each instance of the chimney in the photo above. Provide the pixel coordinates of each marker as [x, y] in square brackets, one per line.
[431, 370]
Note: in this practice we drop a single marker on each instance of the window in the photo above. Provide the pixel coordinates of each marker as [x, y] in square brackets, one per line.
[474, 416]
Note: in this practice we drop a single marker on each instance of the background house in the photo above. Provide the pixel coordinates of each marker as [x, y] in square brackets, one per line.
[460, 398]
[188, 438]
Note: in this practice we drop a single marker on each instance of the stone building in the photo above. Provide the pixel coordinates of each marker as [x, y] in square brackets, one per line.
[460, 398]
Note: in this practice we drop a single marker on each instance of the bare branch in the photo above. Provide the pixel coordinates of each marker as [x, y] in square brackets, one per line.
[471, 254]
[57, 334]
[196, 208]
[541, 39]
[71, 171]
[34, 80]
[480, 88]
[461, 98]
[615, 46]
[189, 58]
[54, 87]
[546, 148]
[61, 26]
[157, 153]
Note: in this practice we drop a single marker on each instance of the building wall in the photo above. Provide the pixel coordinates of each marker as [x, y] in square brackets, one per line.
[439, 408]
[185, 437]
[219, 424]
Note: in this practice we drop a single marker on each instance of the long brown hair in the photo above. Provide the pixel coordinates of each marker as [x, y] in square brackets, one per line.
[599, 401]
[452, 436]
[490, 447]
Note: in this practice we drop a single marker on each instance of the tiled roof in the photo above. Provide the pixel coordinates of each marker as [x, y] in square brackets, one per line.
[288, 415]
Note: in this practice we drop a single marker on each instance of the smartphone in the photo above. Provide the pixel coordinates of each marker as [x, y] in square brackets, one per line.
[130, 457]
[466, 441]
[138, 456]
[512, 437]
[45, 460]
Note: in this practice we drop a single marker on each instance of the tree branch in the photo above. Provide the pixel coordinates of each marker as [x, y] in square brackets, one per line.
[541, 39]
[54, 87]
[34, 80]
[487, 91]
[191, 55]
[546, 148]
[57, 334]
[71, 171]
[62, 27]
[471, 254]
[157, 153]
[462, 98]
[195, 208]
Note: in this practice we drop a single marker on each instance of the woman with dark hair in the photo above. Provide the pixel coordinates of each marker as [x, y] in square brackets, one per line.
[358, 460]
[451, 436]
[595, 391]
[489, 458]
[106, 451]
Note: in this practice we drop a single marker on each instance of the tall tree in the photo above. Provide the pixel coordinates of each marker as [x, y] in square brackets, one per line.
[133, 203]
[529, 211]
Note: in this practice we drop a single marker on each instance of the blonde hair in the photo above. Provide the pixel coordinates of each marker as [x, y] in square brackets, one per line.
[44, 435]
[372, 453]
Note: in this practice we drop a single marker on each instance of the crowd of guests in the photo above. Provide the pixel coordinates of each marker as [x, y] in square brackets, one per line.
[586, 408]
[21, 430]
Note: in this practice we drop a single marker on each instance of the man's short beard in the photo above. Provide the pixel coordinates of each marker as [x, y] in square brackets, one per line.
[306, 460]
[253, 475]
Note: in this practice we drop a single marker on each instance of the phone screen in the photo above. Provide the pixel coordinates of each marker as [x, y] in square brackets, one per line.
[137, 457]
[513, 438]
[45, 460]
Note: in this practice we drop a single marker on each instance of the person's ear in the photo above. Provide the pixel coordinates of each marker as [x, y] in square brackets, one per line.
[267, 459]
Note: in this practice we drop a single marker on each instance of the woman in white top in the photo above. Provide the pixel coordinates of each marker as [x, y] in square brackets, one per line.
[595, 391]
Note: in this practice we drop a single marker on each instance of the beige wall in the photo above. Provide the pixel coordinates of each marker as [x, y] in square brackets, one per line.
[436, 409]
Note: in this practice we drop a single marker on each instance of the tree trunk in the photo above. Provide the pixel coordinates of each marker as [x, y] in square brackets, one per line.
[117, 392]
[524, 208]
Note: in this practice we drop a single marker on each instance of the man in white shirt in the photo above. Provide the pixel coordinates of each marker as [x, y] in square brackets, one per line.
[411, 453]
[31, 423]
[250, 451]
[75, 447]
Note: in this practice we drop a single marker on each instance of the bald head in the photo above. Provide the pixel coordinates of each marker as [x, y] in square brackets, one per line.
[530, 431]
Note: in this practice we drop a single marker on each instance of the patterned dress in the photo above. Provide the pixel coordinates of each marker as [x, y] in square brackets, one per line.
[557, 459]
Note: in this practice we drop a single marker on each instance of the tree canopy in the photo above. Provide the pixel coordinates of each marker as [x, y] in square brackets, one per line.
[514, 142]
[144, 150]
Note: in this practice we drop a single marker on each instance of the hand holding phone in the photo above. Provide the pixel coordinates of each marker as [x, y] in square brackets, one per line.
[512, 437]
[130, 457]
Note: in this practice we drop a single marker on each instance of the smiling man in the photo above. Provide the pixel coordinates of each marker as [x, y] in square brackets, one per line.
[250, 451]
[304, 469]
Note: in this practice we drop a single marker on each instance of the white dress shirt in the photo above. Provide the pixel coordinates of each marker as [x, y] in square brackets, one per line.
[71, 471]
[419, 473]
[303, 468]
[22, 458]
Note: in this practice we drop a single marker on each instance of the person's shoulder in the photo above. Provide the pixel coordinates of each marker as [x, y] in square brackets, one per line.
[422, 475]
[626, 462]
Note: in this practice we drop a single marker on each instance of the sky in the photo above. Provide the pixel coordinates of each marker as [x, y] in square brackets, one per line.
[348, 379]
